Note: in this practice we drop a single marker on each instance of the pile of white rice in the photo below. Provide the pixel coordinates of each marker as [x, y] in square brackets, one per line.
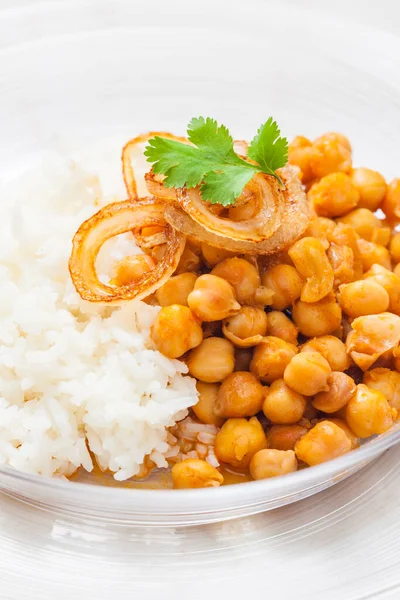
[74, 376]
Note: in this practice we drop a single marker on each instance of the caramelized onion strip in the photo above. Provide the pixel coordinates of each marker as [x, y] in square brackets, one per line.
[148, 237]
[114, 219]
[295, 218]
[262, 190]
[156, 188]
[127, 157]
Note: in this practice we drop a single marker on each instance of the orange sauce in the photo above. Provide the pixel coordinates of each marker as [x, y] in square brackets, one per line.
[159, 480]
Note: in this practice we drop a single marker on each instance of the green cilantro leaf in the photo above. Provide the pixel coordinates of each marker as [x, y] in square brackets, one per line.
[215, 140]
[224, 187]
[268, 149]
[211, 162]
[177, 161]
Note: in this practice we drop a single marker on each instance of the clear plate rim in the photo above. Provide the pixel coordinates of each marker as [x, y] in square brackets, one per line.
[315, 475]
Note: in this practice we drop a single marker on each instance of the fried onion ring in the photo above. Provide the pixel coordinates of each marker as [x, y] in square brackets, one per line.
[263, 190]
[156, 188]
[148, 237]
[112, 220]
[295, 218]
[127, 150]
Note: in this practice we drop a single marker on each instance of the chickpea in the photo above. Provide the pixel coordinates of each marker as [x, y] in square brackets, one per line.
[238, 440]
[330, 156]
[341, 259]
[212, 361]
[204, 409]
[279, 325]
[371, 337]
[243, 211]
[371, 187]
[310, 260]
[270, 358]
[321, 228]
[176, 290]
[373, 254]
[317, 318]
[212, 298]
[272, 463]
[391, 202]
[131, 268]
[195, 473]
[190, 259]
[213, 256]
[394, 248]
[323, 442]
[355, 441]
[381, 236]
[368, 412]
[243, 358]
[387, 382]
[176, 330]
[334, 136]
[243, 277]
[299, 141]
[363, 221]
[263, 296]
[286, 284]
[308, 373]
[344, 235]
[240, 395]
[341, 389]
[334, 195]
[247, 327]
[284, 437]
[390, 281]
[300, 153]
[332, 349]
[363, 297]
[282, 405]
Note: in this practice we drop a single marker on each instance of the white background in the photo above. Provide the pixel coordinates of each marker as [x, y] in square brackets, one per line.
[342, 544]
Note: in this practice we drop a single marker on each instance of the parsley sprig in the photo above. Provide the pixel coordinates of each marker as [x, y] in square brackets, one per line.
[211, 161]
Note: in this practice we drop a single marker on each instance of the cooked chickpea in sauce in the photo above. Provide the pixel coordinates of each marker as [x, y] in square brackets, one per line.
[294, 348]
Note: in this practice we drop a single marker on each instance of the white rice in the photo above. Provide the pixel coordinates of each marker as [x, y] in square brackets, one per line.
[74, 376]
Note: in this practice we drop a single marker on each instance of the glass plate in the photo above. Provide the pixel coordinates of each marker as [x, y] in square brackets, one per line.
[341, 544]
[84, 77]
